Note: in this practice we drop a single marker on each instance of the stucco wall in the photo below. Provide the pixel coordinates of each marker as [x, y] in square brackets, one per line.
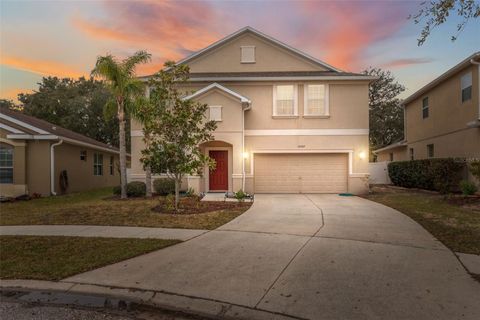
[399, 154]
[447, 115]
[38, 167]
[269, 57]
[80, 172]
[18, 187]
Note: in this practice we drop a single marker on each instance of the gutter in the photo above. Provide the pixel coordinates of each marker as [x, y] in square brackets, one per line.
[52, 167]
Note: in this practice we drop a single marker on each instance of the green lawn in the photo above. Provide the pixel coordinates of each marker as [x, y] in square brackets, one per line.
[458, 227]
[55, 258]
[95, 208]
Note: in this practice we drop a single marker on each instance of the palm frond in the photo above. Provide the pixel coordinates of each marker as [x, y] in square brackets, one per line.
[131, 62]
[110, 109]
[108, 68]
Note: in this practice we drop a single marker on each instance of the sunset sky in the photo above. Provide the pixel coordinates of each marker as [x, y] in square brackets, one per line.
[63, 38]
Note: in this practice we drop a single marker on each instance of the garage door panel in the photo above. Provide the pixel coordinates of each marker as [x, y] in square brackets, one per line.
[300, 173]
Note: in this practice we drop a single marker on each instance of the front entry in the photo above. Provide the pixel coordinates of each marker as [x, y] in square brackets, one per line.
[218, 177]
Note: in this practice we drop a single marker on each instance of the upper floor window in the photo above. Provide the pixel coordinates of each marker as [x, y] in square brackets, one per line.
[215, 113]
[316, 101]
[285, 100]
[83, 155]
[412, 154]
[425, 108]
[430, 150]
[112, 167]
[98, 164]
[6, 163]
[247, 54]
[466, 85]
[391, 156]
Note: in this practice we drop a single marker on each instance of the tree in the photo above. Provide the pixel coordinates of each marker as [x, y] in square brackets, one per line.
[436, 12]
[75, 104]
[386, 114]
[176, 128]
[9, 104]
[125, 87]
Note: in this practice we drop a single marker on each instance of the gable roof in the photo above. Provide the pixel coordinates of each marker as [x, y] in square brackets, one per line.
[23, 126]
[463, 64]
[259, 34]
[222, 88]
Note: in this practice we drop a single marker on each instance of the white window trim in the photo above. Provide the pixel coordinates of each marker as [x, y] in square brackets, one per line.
[241, 54]
[295, 101]
[305, 101]
[10, 167]
[221, 113]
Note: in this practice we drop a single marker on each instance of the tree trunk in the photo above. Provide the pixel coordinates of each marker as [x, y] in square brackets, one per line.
[177, 192]
[123, 150]
[148, 180]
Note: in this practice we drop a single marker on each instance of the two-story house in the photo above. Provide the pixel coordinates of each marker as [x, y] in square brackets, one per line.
[287, 122]
[442, 119]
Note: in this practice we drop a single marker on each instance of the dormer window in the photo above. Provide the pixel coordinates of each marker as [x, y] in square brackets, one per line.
[248, 54]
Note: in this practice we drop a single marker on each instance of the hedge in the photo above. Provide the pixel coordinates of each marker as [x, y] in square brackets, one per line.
[164, 186]
[431, 174]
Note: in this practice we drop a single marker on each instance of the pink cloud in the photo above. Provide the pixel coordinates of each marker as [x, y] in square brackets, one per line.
[397, 63]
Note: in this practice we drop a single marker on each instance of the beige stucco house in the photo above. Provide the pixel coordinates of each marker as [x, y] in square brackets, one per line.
[442, 119]
[36, 157]
[287, 122]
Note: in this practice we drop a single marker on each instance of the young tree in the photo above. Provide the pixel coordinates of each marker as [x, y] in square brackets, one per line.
[386, 114]
[176, 128]
[436, 12]
[125, 87]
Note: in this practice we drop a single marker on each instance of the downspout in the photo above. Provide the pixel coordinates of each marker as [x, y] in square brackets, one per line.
[243, 148]
[52, 167]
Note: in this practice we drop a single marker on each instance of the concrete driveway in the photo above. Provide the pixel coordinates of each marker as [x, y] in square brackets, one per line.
[310, 257]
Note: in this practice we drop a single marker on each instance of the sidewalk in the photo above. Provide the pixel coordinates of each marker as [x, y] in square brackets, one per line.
[100, 231]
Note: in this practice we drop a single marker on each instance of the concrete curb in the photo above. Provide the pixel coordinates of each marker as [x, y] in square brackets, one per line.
[167, 301]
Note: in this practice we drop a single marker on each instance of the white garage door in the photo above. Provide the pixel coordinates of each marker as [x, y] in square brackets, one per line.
[301, 173]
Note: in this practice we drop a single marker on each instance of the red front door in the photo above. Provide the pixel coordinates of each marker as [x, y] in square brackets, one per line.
[218, 177]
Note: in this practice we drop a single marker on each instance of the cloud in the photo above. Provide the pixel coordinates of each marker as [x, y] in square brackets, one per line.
[42, 67]
[166, 29]
[397, 63]
[12, 94]
[344, 31]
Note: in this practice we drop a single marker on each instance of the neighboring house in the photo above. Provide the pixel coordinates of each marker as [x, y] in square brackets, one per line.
[34, 153]
[287, 122]
[442, 119]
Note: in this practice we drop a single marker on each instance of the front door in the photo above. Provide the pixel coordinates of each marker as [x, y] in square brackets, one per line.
[218, 177]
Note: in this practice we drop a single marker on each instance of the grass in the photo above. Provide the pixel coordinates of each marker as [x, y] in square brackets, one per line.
[456, 226]
[55, 258]
[95, 208]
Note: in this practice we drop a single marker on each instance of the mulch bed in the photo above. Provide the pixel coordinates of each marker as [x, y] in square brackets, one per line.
[193, 205]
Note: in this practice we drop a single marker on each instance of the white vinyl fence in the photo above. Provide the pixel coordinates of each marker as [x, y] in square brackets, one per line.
[379, 173]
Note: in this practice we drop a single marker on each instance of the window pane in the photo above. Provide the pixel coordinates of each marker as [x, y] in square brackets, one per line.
[466, 80]
[285, 100]
[6, 175]
[467, 94]
[6, 155]
[316, 99]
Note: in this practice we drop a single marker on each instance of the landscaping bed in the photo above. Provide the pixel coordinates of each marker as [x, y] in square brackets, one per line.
[55, 258]
[454, 220]
[192, 205]
[98, 207]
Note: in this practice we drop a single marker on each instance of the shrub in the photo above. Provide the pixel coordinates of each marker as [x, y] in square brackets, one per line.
[240, 195]
[468, 188]
[164, 186]
[475, 168]
[134, 189]
[117, 190]
[430, 174]
[190, 192]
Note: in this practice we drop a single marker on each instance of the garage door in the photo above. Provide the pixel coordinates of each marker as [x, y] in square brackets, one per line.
[301, 173]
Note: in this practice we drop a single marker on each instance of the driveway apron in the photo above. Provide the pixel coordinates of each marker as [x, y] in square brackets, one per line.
[310, 257]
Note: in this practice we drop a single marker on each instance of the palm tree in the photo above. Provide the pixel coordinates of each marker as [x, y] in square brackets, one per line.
[120, 77]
